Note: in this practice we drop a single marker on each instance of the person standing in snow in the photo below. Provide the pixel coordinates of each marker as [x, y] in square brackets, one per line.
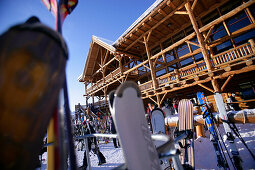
[92, 144]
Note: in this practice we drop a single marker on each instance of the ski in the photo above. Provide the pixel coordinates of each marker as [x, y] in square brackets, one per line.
[230, 137]
[221, 161]
[158, 127]
[185, 110]
[128, 114]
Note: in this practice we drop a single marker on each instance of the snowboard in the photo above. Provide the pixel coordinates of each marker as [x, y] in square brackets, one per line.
[185, 110]
[128, 114]
[158, 127]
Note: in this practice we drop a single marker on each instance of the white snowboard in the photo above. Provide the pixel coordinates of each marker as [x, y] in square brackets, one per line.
[129, 117]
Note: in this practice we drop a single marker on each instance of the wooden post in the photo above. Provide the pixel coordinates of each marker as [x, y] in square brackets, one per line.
[158, 101]
[86, 98]
[50, 149]
[199, 37]
[152, 69]
[251, 41]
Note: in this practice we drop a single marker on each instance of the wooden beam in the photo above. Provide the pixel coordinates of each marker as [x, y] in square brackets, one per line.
[190, 42]
[228, 15]
[162, 12]
[105, 57]
[208, 33]
[181, 13]
[152, 99]
[156, 25]
[152, 69]
[199, 37]
[163, 98]
[194, 5]
[226, 82]
[207, 88]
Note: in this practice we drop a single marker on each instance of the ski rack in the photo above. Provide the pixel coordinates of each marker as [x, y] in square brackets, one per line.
[166, 150]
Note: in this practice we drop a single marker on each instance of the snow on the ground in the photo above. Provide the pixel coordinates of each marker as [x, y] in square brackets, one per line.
[204, 152]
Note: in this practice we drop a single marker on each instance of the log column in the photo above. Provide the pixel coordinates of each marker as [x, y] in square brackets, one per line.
[199, 37]
[152, 70]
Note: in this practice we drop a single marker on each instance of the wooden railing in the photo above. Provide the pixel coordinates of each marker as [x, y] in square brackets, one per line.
[225, 58]
[166, 79]
[146, 86]
[232, 55]
[192, 69]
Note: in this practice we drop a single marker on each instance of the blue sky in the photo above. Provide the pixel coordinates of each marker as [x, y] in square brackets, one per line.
[103, 18]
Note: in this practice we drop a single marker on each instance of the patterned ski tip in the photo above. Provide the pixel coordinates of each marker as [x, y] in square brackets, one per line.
[127, 84]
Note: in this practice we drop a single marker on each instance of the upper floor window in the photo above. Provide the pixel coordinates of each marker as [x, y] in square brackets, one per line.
[238, 21]
[182, 50]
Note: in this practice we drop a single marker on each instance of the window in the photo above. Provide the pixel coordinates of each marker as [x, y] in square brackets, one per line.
[245, 37]
[170, 56]
[194, 47]
[182, 50]
[223, 47]
[161, 72]
[247, 90]
[238, 21]
[198, 57]
[218, 32]
[172, 67]
[186, 62]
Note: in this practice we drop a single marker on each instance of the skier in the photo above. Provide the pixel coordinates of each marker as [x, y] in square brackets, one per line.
[92, 144]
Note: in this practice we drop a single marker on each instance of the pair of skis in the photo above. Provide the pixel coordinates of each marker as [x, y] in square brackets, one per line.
[214, 133]
[128, 114]
[214, 136]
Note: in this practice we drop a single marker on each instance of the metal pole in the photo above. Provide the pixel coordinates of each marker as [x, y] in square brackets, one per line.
[87, 153]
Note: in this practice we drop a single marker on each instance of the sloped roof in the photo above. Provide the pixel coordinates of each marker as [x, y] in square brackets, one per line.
[95, 43]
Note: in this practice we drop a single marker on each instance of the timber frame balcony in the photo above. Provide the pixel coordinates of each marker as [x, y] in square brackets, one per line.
[178, 46]
[225, 60]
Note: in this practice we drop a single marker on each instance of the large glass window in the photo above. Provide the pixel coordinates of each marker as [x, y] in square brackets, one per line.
[198, 57]
[218, 32]
[161, 72]
[244, 37]
[170, 56]
[247, 90]
[182, 50]
[194, 47]
[223, 47]
[186, 62]
[238, 21]
[172, 67]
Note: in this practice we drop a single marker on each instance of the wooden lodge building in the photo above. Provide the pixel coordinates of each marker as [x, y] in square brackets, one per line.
[177, 48]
